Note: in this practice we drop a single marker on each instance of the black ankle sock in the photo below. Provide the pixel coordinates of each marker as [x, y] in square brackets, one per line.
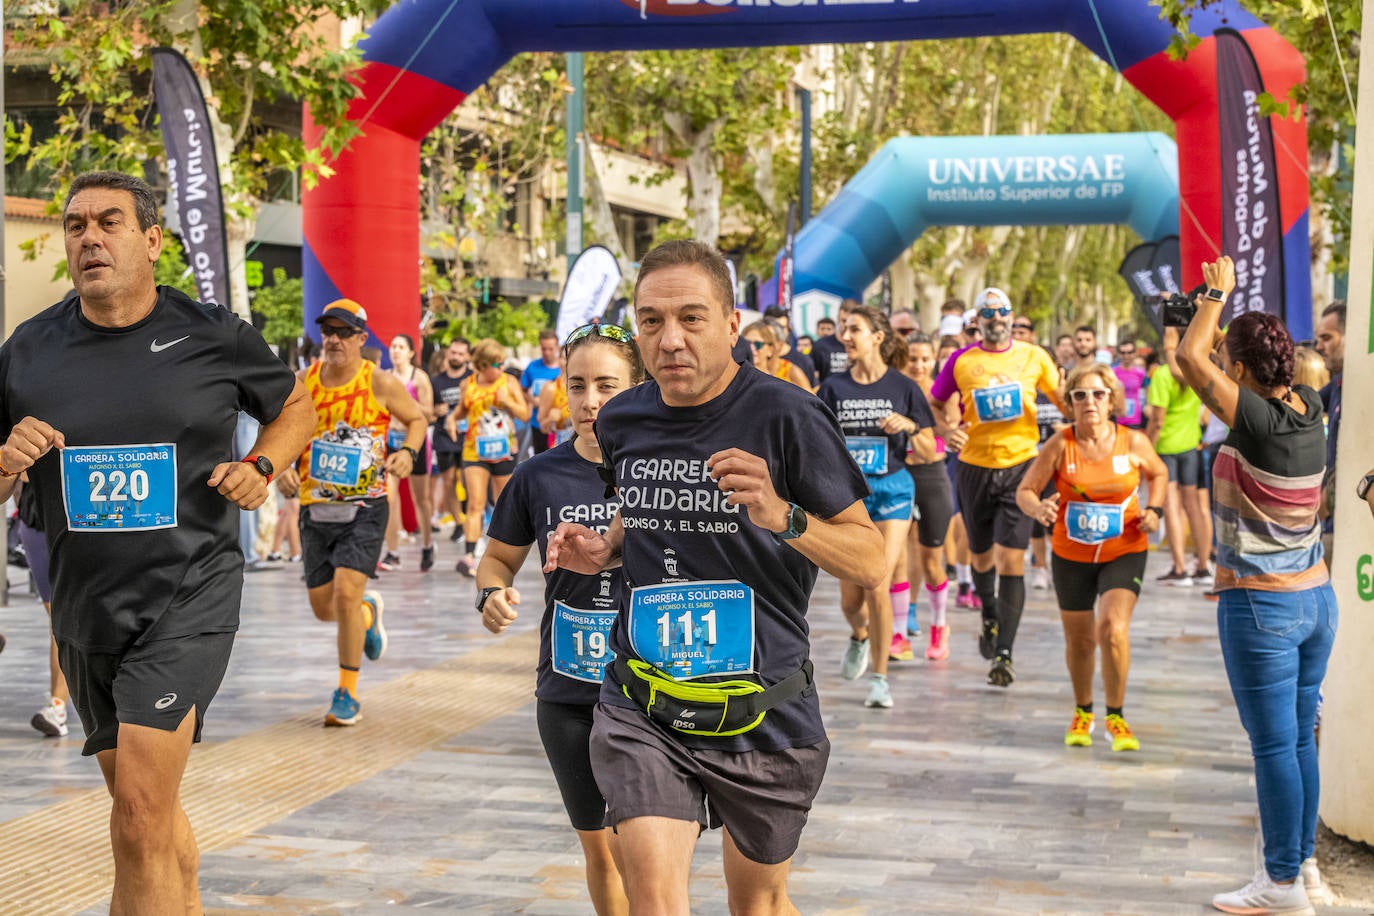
[1011, 600]
[1086, 707]
[985, 584]
[1114, 710]
[470, 548]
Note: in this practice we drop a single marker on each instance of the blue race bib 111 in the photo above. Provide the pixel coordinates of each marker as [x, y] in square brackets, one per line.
[120, 487]
[580, 646]
[1094, 523]
[869, 453]
[998, 402]
[694, 629]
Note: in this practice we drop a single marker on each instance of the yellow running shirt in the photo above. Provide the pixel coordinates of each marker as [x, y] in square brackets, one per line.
[491, 430]
[346, 456]
[997, 391]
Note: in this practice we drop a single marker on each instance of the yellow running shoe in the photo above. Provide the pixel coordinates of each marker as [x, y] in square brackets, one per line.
[1080, 733]
[1123, 739]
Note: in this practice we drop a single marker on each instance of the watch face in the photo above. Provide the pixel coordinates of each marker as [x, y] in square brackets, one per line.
[1362, 488]
[264, 465]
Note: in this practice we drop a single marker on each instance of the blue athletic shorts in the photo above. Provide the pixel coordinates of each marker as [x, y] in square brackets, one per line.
[891, 496]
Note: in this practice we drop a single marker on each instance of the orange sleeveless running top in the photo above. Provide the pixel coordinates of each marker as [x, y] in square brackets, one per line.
[1113, 481]
[491, 430]
[349, 440]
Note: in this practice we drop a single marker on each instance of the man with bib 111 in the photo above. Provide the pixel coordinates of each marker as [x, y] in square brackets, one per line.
[341, 479]
[734, 486]
[996, 380]
[131, 463]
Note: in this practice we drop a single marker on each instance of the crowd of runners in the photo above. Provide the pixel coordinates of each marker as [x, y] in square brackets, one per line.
[683, 484]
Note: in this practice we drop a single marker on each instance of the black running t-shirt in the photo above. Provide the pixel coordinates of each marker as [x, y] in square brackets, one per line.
[561, 486]
[140, 546]
[861, 410]
[700, 565]
[829, 357]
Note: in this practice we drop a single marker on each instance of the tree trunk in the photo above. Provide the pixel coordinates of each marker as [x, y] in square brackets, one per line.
[597, 211]
[703, 174]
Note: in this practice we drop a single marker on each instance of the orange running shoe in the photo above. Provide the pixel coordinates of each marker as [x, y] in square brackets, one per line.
[1080, 733]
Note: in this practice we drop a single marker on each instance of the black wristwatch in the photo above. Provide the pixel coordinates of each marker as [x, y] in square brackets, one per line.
[796, 523]
[1216, 295]
[1157, 510]
[483, 595]
[262, 465]
[414, 455]
[1362, 488]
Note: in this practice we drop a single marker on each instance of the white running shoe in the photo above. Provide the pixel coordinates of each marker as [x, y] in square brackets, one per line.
[855, 659]
[1317, 891]
[1040, 578]
[51, 720]
[1262, 897]
[879, 694]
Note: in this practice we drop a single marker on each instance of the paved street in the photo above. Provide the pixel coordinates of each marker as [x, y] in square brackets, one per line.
[962, 799]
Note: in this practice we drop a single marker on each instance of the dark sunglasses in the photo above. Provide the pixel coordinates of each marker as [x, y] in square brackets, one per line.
[1023, 327]
[1081, 395]
[757, 345]
[339, 331]
[1126, 351]
[608, 331]
[994, 313]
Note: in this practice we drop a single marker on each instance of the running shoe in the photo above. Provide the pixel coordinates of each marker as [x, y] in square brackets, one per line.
[987, 639]
[1317, 891]
[1080, 733]
[1123, 739]
[938, 650]
[51, 720]
[456, 534]
[1175, 578]
[975, 603]
[1001, 673]
[389, 562]
[467, 566]
[1203, 576]
[343, 709]
[275, 557]
[1040, 578]
[900, 650]
[879, 694]
[964, 598]
[426, 558]
[1262, 897]
[855, 659]
[374, 640]
[913, 626]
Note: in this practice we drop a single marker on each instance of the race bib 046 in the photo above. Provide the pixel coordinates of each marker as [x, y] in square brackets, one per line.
[120, 487]
[1094, 523]
[694, 629]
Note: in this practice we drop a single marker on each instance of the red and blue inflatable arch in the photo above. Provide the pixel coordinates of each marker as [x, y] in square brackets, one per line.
[423, 57]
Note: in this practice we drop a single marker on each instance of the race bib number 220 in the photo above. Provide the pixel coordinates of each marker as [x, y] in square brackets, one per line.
[120, 487]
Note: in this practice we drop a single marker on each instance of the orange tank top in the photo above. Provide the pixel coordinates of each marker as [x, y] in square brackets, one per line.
[346, 456]
[1098, 507]
[491, 430]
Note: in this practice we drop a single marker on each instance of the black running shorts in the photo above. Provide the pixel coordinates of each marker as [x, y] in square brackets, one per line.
[1079, 585]
[328, 546]
[503, 468]
[154, 684]
[565, 730]
[762, 797]
[987, 499]
[934, 502]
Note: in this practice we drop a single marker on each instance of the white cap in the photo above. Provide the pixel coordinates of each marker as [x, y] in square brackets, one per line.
[951, 325]
[970, 317]
[992, 297]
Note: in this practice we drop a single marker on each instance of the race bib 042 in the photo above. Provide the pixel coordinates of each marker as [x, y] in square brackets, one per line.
[109, 488]
[694, 629]
[336, 463]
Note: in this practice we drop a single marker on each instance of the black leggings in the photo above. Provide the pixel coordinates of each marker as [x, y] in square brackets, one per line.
[934, 502]
[564, 729]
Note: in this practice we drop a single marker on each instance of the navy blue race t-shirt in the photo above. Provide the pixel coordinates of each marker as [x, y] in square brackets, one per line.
[709, 595]
[829, 357]
[861, 409]
[561, 486]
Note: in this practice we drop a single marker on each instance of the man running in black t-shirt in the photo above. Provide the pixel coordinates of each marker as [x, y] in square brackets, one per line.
[734, 487]
[131, 464]
[448, 392]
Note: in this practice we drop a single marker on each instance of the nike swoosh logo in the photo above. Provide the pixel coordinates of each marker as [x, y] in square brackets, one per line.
[158, 348]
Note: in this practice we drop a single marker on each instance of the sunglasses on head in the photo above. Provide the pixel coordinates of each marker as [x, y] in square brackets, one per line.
[1002, 311]
[1080, 395]
[340, 331]
[608, 331]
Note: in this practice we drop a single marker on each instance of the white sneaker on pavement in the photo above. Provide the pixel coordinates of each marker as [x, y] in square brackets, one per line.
[855, 659]
[1262, 897]
[51, 720]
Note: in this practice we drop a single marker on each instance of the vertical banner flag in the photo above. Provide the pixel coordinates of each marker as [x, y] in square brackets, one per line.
[1165, 265]
[1251, 227]
[785, 290]
[1140, 276]
[193, 172]
[590, 287]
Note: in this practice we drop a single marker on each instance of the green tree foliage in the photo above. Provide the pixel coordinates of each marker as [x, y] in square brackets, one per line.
[281, 305]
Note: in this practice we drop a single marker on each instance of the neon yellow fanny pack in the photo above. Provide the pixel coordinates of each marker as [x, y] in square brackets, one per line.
[718, 709]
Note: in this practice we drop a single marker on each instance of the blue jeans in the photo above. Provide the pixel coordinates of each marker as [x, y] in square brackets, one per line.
[1276, 645]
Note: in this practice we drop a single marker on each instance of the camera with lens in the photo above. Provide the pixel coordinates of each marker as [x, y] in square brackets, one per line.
[1177, 310]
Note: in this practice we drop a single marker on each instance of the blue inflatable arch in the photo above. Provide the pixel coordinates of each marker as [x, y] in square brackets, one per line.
[423, 57]
[913, 183]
